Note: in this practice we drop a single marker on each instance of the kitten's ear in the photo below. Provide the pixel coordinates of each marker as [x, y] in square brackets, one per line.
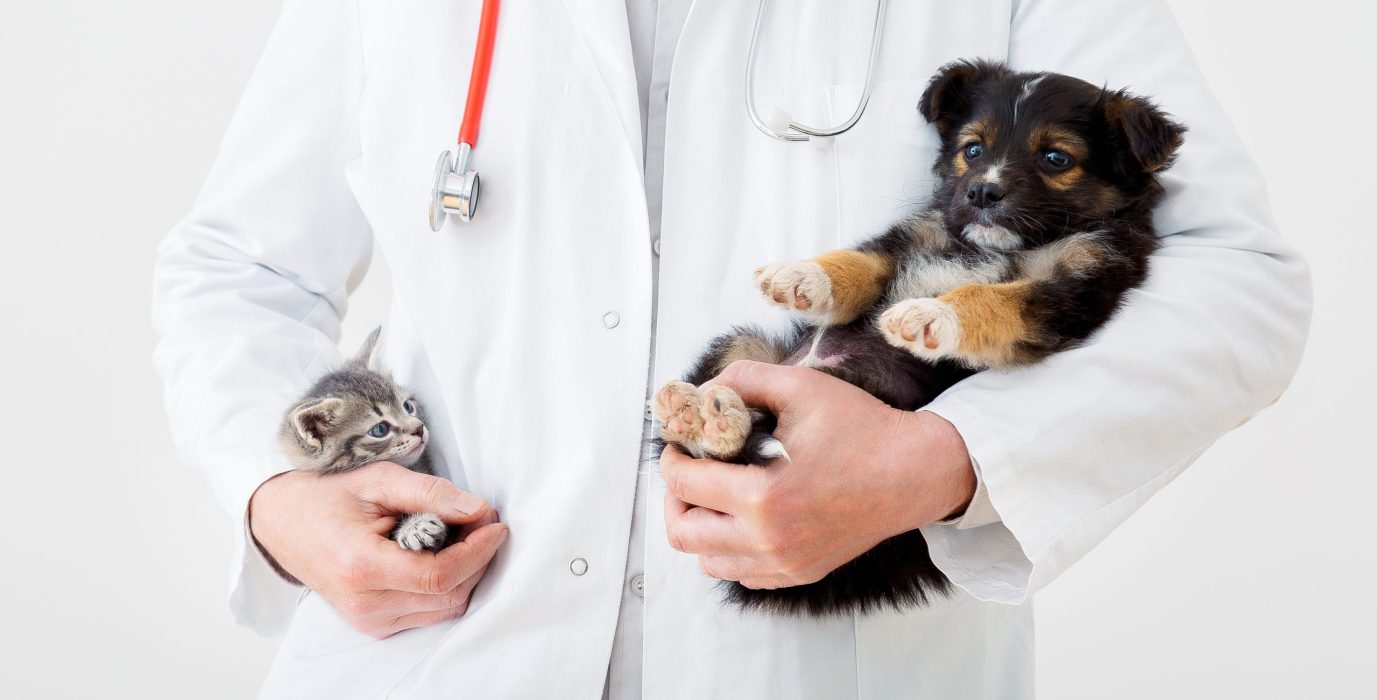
[949, 97]
[1146, 136]
[313, 420]
[368, 353]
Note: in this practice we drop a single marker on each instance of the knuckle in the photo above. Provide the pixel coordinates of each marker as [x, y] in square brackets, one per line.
[353, 573]
[674, 483]
[433, 489]
[432, 580]
[676, 537]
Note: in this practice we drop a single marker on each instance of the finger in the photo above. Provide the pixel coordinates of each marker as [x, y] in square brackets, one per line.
[388, 606]
[421, 619]
[400, 490]
[727, 567]
[703, 531]
[489, 517]
[761, 384]
[727, 488]
[423, 572]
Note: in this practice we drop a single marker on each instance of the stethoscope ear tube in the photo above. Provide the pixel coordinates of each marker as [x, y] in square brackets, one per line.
[781, 126]
[456, 186]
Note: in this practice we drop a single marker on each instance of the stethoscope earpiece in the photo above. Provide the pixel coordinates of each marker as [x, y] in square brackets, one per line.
[455, 190]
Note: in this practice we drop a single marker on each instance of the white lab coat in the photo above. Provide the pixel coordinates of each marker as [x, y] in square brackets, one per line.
[527, 332]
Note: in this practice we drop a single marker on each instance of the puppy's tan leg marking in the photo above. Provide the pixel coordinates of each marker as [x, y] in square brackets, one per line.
[858, 279]
[714, 423]
[992, 321]
[749, 347]
[831, 289]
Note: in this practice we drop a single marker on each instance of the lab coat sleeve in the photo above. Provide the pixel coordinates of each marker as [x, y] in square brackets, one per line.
[1069, 448]
[250, 287]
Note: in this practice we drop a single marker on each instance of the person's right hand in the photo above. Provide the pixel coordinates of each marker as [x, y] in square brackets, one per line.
[330, 532]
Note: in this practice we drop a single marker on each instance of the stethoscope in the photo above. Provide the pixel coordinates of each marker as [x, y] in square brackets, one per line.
[456, 187]
[782, 126]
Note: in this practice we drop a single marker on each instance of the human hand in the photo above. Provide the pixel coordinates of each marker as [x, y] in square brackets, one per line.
[330, 532]
[858, 473]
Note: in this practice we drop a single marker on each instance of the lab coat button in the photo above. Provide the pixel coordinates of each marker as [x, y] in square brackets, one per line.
[638, 585]
[611, 319]
[579, 566]
[655, 246]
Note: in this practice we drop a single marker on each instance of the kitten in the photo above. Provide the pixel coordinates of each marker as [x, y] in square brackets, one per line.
[1041, 220]
[355, 416]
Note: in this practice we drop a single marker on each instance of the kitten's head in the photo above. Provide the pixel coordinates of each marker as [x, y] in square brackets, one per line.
[1028, 158]
[354, 416]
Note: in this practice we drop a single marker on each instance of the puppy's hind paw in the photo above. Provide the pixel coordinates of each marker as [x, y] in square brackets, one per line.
[928, 328]
[420, 532]
[714, 423]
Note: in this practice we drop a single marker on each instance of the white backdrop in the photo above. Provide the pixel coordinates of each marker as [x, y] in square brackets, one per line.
[1247, 578]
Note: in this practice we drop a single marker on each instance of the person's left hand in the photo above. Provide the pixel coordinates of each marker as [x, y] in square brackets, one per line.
[858, 472]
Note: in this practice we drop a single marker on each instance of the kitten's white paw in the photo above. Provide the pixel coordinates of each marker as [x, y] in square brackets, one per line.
[420, 532]
[928, 328]
[799, 285]
[714, 423]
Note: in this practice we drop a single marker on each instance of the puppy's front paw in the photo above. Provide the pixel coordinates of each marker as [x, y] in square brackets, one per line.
[714, 423]
[928, 328]
[420, 532]
[800, 286]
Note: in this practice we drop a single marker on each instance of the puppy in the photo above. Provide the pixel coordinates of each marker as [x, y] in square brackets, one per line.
[1040, 222]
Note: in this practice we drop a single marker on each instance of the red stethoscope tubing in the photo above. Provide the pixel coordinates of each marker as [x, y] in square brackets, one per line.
[478, 79]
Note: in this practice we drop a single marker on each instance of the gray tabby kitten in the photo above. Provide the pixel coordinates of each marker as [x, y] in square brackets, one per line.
[355, 416]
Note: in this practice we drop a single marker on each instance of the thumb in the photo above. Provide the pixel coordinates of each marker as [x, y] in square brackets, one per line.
[761, 385]
[400, 490]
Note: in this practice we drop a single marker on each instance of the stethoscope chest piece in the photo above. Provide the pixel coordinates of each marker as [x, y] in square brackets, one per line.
[455, 190]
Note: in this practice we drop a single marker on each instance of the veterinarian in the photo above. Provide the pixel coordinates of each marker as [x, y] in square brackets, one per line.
[627, 199]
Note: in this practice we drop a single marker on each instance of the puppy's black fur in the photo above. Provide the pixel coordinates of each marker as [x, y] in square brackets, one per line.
[1040, 223]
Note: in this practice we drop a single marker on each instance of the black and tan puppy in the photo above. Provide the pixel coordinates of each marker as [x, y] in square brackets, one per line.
[1040, 223]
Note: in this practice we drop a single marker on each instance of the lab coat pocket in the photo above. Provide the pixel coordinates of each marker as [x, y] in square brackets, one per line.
[884, 164]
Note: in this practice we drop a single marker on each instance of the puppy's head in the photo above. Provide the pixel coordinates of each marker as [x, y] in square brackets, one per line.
[1028, 158]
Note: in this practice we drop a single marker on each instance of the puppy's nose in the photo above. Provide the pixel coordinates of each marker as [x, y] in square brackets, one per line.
[985, 194]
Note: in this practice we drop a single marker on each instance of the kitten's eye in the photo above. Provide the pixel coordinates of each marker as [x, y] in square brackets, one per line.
[409, 406]
[974, 150]
[1056, 160]
[380, 430]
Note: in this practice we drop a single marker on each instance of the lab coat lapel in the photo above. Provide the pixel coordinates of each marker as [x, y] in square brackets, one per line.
[602, 29]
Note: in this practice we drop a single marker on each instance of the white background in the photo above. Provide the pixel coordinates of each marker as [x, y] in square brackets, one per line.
[1247, 578]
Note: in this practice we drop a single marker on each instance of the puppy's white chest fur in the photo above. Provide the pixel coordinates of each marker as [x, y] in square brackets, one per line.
[924, 276]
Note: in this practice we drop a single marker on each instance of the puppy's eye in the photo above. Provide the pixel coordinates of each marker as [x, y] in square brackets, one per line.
[1056, 160]
[974, 150]
[409, 406]
[380, 430]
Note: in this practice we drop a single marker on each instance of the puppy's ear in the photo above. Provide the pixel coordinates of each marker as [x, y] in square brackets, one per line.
[949, 98]
[1146, 136]
[314, 419]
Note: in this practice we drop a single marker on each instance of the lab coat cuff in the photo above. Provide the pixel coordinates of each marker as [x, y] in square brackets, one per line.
[259, 597]
[980, 512]
[977, 551]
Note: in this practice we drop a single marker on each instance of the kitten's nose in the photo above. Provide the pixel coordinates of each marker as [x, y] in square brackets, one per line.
[985, 194]
[419, 430]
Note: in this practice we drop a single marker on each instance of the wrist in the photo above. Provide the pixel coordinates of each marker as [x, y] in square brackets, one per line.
[935, 470]
[261, 505]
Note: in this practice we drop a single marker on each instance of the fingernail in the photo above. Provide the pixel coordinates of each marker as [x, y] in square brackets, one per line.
[502, 538]
[468, 504]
